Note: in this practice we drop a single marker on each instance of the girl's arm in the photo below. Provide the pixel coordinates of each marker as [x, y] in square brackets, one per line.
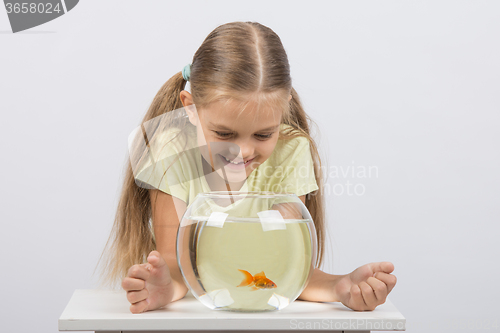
[321, 287]
[363, 289]
[158, 282]
[165, 223]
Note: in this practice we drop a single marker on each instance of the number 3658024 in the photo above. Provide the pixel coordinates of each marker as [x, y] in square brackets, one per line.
[32, 7]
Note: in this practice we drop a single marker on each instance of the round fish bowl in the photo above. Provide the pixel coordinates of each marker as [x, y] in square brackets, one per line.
[246, 251]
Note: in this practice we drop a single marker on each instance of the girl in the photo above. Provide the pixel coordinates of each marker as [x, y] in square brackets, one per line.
[241, 95]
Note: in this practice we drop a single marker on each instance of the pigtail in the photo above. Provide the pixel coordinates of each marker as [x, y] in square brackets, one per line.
[131, 238]
[167, 98]
[298, 119]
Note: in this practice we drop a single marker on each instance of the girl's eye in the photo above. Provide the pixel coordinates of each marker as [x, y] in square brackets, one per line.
[264, 136]
[223, 135]
[259, 136]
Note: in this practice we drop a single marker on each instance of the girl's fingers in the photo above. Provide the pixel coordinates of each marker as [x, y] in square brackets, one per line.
[136, 278]
[155, 259]
[130, 284]
[383, 266]
[380, 289]
[137, 296]
[139, 307]
[389, 279]
[368, 294]
[356, 302]
[139, 272]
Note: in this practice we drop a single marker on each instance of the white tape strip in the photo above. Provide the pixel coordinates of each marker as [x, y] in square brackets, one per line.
[217, 219]
[271, 220]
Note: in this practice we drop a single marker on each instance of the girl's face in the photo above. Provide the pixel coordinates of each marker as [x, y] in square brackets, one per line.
[235, 142]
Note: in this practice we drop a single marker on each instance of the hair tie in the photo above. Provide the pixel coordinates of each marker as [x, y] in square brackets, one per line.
[186, 72]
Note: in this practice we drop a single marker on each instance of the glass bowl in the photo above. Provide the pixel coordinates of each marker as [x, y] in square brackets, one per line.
[246, 251]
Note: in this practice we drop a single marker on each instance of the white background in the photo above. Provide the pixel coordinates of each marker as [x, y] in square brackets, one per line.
[408, 87]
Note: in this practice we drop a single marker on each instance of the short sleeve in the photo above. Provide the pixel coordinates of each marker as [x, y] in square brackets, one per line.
[291, 169]
[163, 167]
[299, 176]
[164, 176]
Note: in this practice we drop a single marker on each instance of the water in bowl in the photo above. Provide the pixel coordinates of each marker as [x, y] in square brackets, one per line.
[277, 258]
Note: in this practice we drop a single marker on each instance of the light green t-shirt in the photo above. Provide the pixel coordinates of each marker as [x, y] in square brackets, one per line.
[289, 168]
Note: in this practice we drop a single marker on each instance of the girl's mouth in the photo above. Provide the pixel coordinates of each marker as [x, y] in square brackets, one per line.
[235, 166]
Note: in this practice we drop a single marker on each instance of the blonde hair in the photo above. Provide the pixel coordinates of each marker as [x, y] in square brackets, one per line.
[240, 60]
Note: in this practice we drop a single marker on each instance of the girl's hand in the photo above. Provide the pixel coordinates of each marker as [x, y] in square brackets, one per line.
[149, 286]
[367, 286]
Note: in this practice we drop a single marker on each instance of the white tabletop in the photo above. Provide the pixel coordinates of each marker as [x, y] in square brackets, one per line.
[105, 310]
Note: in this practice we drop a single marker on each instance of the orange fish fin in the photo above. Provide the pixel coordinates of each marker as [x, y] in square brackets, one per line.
[247, 280]
[255, 288]
[261, 274]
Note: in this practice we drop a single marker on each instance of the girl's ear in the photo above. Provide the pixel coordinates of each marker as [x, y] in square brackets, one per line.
[187, 102]
[289, 98]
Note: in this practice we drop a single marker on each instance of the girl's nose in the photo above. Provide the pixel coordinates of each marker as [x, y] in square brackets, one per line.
[247, 149]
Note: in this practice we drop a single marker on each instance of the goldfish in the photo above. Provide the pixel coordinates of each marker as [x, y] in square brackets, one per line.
[258, 281]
